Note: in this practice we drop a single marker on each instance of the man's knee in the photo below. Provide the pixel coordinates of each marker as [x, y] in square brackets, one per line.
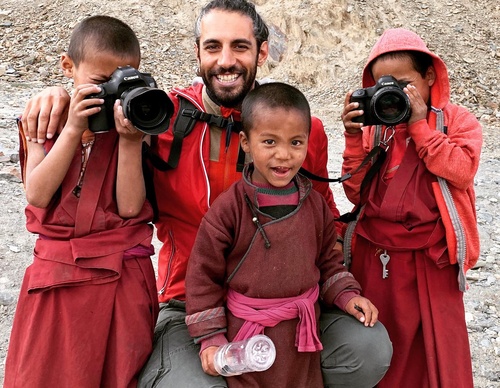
[175, 361]
[353, 355]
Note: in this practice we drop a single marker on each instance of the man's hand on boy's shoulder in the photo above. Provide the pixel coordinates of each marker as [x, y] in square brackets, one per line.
[45, 114]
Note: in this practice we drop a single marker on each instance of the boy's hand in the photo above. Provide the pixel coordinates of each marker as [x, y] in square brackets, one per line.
[207, 360]
[124, 126]
[81, 108]
[350, 111]
[418, 105]
[363, 310]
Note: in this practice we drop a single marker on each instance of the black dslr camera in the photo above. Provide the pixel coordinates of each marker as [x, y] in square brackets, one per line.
[384, 103]
[146, 106]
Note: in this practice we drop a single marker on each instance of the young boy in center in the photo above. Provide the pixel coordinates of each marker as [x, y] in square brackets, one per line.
[265, 255]
[87, 306]
[416, 234]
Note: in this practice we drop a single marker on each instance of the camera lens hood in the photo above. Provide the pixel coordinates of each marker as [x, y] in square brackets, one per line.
[148, 108]
[390, 105]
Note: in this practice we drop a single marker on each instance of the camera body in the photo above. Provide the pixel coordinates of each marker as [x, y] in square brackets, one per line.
[146, 106]
[385, 103]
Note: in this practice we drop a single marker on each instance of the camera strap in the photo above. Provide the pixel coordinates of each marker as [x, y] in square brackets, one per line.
[383, 145]
[377, 154]
[372, 154]
[183, 125]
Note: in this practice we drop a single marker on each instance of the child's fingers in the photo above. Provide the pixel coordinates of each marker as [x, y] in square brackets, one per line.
[89, 106]
[349, 125]
[372, 315]
[366, 312]
[418, 105]
[124, 126]
[122, 123]
[358, 313]
[349, 108]
[80, 99]
[85, 90]
[207, 360]
[347, 98]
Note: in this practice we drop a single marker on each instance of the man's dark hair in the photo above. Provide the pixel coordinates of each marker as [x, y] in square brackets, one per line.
[243, 7]
[420, 61]
[273, 95]
[105, 34]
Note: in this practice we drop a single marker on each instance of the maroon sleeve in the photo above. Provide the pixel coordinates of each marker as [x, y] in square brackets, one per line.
[335, 278]
[205, 287]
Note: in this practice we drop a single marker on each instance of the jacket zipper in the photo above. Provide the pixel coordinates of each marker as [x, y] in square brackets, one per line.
[459, 231]
[169, 267]
[172, 250]
[200, 151]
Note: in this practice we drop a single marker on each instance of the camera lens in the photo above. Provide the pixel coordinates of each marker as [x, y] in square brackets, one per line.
[149, 109]
[391, 106]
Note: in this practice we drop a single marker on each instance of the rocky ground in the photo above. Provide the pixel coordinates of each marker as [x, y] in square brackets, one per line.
[317, 45]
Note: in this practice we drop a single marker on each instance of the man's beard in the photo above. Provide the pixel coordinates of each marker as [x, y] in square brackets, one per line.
[229, 97]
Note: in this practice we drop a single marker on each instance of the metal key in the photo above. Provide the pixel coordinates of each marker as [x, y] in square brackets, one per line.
[384, 258]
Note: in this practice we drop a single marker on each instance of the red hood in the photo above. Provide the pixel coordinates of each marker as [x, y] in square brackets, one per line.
[400, 39]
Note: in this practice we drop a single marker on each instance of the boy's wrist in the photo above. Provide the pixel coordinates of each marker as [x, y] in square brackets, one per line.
[344, 297]
[133, 141]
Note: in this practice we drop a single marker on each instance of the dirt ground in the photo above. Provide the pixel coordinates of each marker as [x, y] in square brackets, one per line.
[317, 45]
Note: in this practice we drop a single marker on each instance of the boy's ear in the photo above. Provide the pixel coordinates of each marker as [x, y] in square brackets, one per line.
[244, 142]
[67, 65]
[430, 76]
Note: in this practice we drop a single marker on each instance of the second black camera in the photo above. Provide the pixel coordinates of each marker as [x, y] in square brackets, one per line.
[146, 106]
[385, 103]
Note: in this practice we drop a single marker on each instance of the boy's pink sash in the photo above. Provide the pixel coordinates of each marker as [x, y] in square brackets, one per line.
[260, 313]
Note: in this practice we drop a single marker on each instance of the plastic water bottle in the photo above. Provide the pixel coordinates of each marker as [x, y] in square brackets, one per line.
[255, 354]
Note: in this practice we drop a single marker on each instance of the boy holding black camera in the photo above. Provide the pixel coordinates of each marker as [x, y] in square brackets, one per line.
[415, 234]
[88, 305]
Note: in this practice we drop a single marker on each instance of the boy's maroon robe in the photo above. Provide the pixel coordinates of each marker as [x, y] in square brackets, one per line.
[428, 333]
[88, 306]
